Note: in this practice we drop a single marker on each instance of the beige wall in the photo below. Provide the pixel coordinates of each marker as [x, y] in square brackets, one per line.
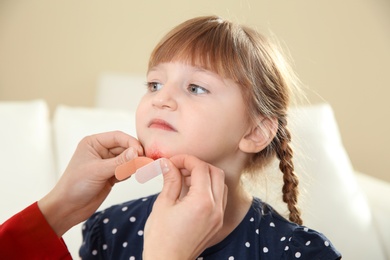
[341, 50]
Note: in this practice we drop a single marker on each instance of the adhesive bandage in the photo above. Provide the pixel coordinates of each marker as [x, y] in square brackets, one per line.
[144, 169]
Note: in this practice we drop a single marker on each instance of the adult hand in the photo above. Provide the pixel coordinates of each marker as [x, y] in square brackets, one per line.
[88, 179]
[181, 225]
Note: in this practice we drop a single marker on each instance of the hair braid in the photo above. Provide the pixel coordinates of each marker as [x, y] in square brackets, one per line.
[290, 188]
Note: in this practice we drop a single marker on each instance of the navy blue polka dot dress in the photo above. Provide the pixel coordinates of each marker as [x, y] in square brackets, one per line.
[117, 233]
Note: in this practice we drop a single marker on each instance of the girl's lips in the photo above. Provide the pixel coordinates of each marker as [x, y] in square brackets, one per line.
[161, 124]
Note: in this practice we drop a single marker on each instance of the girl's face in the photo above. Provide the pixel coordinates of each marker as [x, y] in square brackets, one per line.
[190, 110]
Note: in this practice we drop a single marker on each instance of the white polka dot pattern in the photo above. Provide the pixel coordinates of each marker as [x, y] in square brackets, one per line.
[117, 233]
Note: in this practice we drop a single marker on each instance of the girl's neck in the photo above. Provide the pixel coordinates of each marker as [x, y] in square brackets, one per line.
[238, 204]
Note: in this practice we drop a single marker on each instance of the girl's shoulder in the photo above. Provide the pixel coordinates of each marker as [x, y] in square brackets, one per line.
[265, 234]
[117, 230]
[140, 207]
[277, 234]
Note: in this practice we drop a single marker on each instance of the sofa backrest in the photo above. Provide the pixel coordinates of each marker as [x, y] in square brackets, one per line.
[27, 164]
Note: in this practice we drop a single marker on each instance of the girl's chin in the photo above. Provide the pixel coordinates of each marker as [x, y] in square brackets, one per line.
[155, 153]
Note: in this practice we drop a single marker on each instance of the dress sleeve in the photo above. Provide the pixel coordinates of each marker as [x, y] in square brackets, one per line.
[93, 239]
[305, 243]
[27, 235]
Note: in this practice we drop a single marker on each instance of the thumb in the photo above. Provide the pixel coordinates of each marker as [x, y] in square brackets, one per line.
[127, 155]
[172, 181]
[109, 165]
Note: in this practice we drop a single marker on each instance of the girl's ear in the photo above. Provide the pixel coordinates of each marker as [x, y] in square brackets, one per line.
[259, 136]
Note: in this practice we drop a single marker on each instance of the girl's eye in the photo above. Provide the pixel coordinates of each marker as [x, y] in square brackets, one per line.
[195, 89]
[154, 86]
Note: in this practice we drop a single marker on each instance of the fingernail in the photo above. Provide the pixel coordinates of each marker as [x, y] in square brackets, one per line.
[131, 154]
[164, 165]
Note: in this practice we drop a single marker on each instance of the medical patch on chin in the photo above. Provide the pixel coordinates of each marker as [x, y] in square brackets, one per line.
[144, 169]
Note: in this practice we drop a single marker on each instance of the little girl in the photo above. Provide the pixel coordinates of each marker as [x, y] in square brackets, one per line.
[219, 92]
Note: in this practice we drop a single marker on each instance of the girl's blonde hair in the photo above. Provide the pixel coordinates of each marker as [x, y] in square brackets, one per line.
[247, 57]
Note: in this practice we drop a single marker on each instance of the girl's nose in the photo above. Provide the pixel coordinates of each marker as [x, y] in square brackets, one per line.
[165, 98]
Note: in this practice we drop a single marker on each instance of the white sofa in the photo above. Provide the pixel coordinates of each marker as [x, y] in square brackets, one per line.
[351, 208]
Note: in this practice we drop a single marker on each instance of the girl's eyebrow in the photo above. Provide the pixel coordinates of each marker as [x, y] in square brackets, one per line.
[152, 69]
[208, 72]
[200, 69]
[196, 68]
[203, 70]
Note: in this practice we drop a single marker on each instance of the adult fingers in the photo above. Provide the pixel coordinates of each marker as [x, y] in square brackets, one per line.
[204, 177]
[172, 181]
[196, 169]
[218, 186]
[107, 167]
[113, 143]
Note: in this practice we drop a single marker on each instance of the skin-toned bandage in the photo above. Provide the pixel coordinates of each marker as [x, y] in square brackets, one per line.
[143, 168]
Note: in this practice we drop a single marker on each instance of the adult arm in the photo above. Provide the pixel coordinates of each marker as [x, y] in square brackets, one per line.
[88, 179]
[36, 231]
[27, 235]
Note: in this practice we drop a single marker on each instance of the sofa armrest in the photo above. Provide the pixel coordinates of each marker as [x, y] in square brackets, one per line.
[378, 195]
